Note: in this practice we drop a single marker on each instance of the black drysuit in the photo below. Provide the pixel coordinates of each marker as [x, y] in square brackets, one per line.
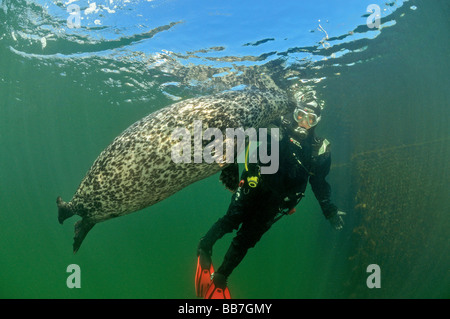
[256, 209]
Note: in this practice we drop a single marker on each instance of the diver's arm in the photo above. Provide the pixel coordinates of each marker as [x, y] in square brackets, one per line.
[321, 188]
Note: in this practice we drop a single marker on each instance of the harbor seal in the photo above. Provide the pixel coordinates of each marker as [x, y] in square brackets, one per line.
[136, 170]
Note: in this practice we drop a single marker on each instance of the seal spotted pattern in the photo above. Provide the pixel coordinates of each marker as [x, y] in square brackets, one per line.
[136, 170]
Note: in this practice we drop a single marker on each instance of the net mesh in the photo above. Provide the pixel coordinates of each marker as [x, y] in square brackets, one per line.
[400, 204]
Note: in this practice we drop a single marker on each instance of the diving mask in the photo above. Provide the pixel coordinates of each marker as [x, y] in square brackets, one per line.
[309, 117]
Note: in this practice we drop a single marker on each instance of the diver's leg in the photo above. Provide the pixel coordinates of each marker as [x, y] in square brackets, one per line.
[247, 237]
[232, 219]
[224, 225]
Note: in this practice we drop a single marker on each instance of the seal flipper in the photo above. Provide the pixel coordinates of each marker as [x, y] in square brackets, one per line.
[64, 210]
[230, 177]
[82, 228]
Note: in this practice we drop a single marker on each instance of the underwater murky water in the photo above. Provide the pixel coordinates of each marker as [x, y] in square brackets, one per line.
[65, 93]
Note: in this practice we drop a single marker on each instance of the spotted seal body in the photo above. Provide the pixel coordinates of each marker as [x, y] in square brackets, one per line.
[136, 170]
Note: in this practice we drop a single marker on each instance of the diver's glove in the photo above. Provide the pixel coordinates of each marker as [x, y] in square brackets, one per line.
[336, 220]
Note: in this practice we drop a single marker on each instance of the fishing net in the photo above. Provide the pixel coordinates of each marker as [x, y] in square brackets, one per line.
[401, 200]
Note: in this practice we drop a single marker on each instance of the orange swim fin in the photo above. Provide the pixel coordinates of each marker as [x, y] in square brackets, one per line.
[218, 288]
[203, 277]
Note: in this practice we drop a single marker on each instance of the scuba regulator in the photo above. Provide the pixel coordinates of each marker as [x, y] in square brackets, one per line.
[293, 129]
[252, 171]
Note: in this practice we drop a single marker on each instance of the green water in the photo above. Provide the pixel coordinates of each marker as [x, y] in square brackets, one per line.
[57, 115]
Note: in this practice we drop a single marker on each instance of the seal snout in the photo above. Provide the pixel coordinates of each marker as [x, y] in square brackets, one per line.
[64, 210]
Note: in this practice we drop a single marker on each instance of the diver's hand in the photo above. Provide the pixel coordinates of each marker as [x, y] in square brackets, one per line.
[336, 220]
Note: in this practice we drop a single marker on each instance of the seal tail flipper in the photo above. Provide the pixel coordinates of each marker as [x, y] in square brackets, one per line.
[82, 228]
[64, 210]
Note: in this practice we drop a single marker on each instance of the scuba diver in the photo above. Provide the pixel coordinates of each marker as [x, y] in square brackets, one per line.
[261, 200]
